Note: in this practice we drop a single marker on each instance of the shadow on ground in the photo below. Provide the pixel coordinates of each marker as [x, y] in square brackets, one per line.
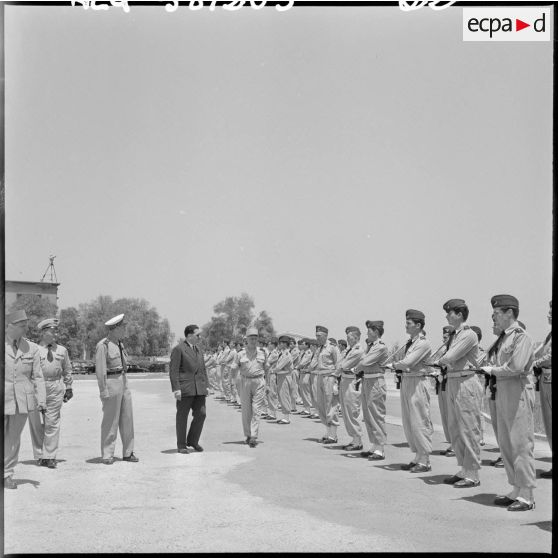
[482, 499]
[433, 479]
[36, 484]
[544, 525]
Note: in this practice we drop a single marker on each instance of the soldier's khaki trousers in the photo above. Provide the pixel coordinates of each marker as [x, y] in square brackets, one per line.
[415, 414]
[235, 385]
[252, 395]
[546, 409]
[284, 394]
[443, 404]
[314, 390]
[219, 378]
[349, 398]
[326, 402]
[464, 420]
[13, 427]
[226, 382]
[272, 400]
[45, 438]
[117, 416]
[294, 388]
[515, 404]
[305, 391]
[373, 396]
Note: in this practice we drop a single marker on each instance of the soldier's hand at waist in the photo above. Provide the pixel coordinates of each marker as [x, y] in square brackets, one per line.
[177, 395]
[486, 369]
[41, 409]
[68, 395]
[105, 394]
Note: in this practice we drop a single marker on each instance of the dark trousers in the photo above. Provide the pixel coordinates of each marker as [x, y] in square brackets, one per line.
[197, 404]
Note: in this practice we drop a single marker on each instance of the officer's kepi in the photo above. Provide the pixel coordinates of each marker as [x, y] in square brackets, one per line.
[115, 322]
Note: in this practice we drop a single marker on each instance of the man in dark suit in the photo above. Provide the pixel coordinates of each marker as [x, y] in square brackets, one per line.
[189, 385]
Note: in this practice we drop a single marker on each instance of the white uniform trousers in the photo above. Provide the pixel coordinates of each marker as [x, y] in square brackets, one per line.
[117, 416]
[252, 395]
[349, 398]
[415, 414]
[45, 438]
[13, 427]
[373, 396]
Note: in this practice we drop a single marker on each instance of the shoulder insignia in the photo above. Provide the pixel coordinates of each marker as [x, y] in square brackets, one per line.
[466, 327]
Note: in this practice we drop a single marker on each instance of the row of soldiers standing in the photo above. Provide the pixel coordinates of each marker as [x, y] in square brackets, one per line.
[266, 376]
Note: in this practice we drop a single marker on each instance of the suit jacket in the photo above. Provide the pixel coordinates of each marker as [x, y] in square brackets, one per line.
[187, 370]
[24, 386]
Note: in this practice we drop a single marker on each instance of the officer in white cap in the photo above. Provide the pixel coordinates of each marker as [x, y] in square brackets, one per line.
[252, 385]
[57, 372]
[24, 388]
[110, 367]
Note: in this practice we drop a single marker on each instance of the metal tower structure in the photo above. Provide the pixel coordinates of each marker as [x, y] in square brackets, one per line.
[50, 269]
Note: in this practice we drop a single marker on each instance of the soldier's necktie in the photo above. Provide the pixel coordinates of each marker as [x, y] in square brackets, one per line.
[547, 338]
[49, 354]
[15, 346]
[407, 345]
[450, 340]
[494, 349]
[122, 359]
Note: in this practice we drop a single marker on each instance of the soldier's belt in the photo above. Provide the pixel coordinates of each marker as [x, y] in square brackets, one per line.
[114, 372]
[347, 374]
[53, 379]
[252, 377]
[459, 373]
[373, 375]
[325, 372]
[415, 374]
[282, 372]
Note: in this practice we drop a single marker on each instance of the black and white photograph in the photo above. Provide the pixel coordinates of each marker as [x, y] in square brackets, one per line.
[277, 276]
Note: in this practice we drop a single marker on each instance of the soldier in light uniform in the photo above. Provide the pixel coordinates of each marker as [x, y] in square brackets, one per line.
[415, 395]
[447, 335]
[342, 346]
[464, 394]
[271, 380]
[210, 367]
[110, 367]
[349, 397]
[233, 373]
[57, 373]
[251, 361]
[225, 361]
[283, 369]
[373, 390]
[312, 368]
[24, 388]
[543, 366]
[293, 380]
[326, 363]
[481, 354]
[304, 377]
[515, 402]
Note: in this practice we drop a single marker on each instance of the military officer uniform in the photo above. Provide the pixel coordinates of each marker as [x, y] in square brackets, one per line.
[252, 389]
[415, 397]
[226, 360]
[271, 388]
[373, 392]
[57, 373]
[233, 374]
[293, 380]
[110, 368]
[515, 402]
[448, 333]
[283, 369]
[24, 388]
[326, 363]
[464, 399]
[543, 361]
[304, 379]
[349, 397]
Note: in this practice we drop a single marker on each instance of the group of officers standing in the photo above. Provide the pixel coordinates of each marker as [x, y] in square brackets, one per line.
[325, 376]
[329, 377]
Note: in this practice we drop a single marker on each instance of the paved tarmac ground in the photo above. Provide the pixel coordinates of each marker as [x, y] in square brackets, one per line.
[288, 494]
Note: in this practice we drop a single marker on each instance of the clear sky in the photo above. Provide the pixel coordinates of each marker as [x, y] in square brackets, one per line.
[337, 164]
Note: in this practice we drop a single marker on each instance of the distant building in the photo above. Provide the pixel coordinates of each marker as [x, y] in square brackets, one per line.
[16, 289]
